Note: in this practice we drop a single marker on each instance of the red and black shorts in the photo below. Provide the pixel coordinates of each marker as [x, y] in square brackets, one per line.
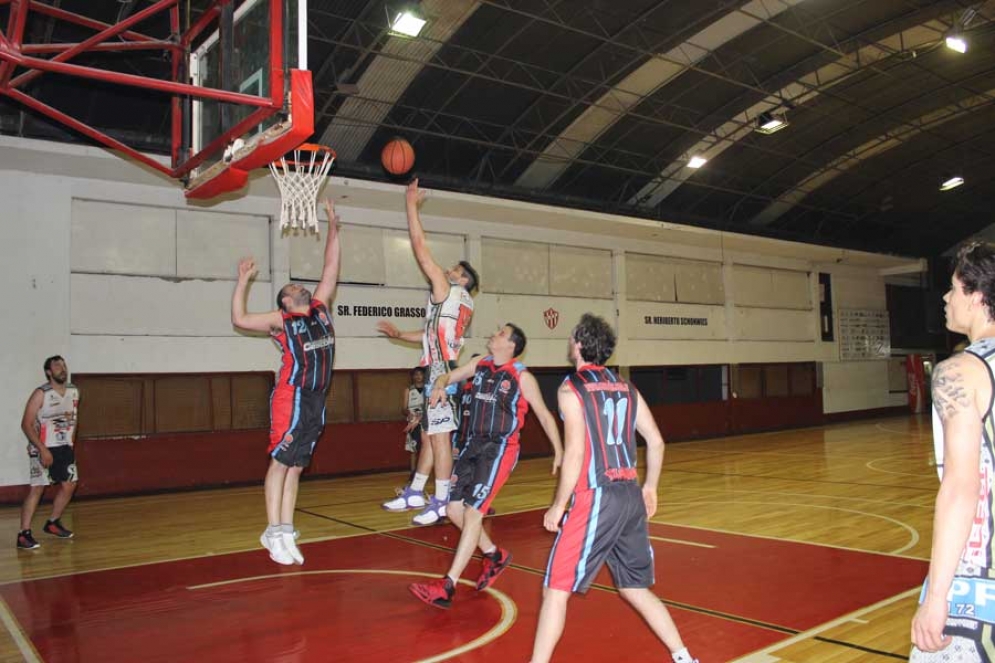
[607, 524]
[481, 470]
[297, 418]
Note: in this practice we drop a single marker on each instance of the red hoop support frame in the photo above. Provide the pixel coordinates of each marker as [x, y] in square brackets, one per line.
[15, 53]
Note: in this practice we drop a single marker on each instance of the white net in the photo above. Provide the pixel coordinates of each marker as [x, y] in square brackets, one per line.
[300, 181]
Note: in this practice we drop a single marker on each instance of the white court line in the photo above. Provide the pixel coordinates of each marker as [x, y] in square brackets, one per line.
[913, 532]
[683, 542]
[764, 655]
[509, 610]
[783, 540]
[23, 643]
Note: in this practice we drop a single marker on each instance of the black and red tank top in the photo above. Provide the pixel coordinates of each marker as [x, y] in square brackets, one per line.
[307, 341]
[609, 404]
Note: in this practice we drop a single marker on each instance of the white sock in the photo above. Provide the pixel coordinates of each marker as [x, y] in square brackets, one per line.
[418, 483]
[286, 528]
[442, 490]
[682, 656]
[273, 530]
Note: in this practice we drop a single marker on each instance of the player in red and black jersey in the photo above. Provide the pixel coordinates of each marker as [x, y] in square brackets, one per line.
[608, 510]
[302, 329]
[500, 394]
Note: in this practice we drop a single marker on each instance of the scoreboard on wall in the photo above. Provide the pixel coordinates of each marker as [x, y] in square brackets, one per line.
[864, 334]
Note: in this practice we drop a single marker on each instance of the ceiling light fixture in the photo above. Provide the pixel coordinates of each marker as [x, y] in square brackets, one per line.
[408, 22]
[697, 161]
[956, 42]
[768, 123]
[951, 183]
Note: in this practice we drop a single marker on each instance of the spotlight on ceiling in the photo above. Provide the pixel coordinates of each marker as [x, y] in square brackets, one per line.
[768, 123]
[951, 183]
[956, 42]
[408, 22]
[697, 161]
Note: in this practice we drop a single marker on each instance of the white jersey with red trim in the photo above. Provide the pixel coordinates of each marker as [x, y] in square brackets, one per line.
[445, 324]
[56, 419]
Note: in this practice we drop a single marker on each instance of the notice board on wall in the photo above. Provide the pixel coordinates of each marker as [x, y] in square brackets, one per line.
[864, 334]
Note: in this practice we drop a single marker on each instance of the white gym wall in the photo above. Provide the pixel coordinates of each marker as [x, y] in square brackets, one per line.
[109, 265]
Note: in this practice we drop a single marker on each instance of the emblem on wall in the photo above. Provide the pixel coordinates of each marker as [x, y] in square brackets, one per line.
[552, 317]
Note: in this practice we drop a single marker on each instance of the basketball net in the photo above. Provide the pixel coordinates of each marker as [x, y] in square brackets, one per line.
[299, 181]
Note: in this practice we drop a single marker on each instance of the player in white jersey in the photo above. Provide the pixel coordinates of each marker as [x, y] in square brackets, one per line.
[414, 407]
[49, 422]
[955, 621]
[448, 314]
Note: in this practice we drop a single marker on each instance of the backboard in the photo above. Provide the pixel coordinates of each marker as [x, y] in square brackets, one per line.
[262, 52]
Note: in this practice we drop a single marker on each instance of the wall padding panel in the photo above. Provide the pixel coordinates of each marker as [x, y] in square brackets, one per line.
[401, 267]
[210, 244]
[771, 288]
[110, 238]
[699, 282]
[580, 272]
[649, 278]
[362, 254]
[520, 268]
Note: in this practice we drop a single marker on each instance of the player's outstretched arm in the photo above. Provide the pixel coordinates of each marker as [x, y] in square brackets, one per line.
[414, 197]
[532, 394]
[646, 425]
[955, 384]
[325, 291]
[388, 329]
[573, 455]
[261, 322]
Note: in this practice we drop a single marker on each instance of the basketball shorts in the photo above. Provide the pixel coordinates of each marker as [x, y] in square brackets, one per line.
[607, 524]
[297, 418]
[444, 417]
[481, 470]
[62, 469]
[960, 650]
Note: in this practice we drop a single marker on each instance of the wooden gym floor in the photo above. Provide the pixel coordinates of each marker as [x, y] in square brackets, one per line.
[802, 546]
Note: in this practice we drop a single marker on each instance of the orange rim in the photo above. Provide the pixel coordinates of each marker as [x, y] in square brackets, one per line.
[306, 147]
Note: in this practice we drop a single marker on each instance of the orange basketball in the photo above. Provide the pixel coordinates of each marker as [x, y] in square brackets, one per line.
[398, 157]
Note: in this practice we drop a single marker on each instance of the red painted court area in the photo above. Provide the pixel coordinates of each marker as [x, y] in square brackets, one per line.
[350, 601]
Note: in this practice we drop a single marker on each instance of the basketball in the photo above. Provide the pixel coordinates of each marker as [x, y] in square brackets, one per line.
[397, 157]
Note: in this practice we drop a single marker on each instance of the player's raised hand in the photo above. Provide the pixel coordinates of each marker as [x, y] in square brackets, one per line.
[388, 329]
[414, 195]
[333, 220]
[246, 268]
[649, 499]
[551, 521]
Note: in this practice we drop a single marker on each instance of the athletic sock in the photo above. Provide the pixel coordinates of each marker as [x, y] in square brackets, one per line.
[442, 490]
[273, 530]
[493, 552]
[682, 656]
[287, 529]
[418, 483]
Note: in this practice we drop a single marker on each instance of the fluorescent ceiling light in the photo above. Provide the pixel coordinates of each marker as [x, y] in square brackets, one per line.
[697, 161]
[407, 23]
[768, 123]
[957, 43]
[952, 183]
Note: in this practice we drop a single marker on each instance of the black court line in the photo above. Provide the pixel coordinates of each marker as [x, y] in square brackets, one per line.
[852, 645]
[608, 588]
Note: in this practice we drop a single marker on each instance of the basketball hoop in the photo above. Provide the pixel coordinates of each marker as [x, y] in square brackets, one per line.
[299, 180]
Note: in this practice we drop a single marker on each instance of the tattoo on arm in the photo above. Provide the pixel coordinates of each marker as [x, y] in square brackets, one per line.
[950, 392]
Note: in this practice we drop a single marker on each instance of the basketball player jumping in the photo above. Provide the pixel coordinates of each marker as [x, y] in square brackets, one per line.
[500, 394]
[608, 511]
[447, 316]
[302, 328]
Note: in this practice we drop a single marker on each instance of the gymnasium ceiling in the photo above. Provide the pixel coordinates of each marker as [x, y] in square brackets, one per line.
[599, 104]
